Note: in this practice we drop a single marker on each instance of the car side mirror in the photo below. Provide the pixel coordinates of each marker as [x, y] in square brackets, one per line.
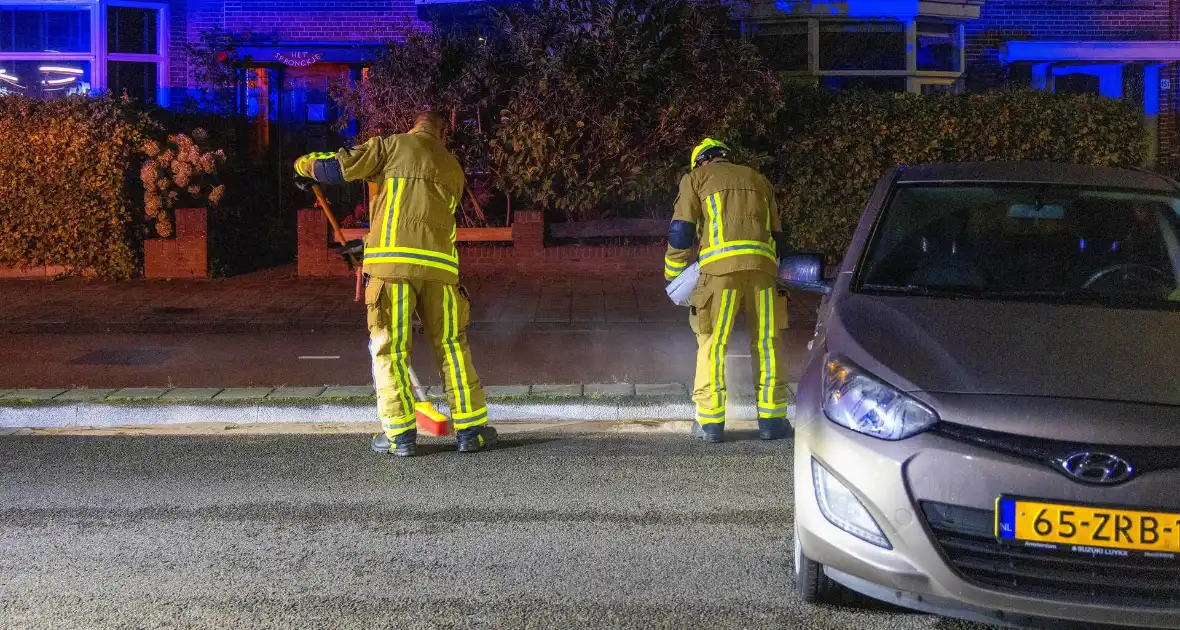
[804, 272]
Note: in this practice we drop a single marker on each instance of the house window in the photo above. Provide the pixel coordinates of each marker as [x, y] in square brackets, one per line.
[113, 45]
[138, 80]
[862, 46]
[135, 56]
[921, 55]
[784, 45]
[132, 30]
[939, 47]
[46, 51]
[45, 78]
[32, 29]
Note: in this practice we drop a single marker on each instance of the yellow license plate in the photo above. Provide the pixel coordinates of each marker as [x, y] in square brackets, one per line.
[1085, 528]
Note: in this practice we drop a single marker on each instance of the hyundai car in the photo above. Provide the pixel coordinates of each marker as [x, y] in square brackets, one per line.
[988, 424]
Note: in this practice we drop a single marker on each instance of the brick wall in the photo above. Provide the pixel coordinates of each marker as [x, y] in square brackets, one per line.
[178, 18]
[526, 255]
[1169, 124]
[314, 258]
[186, 255]
[368, 21]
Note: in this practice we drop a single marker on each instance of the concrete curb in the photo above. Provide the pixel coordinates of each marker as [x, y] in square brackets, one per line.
[46, 409]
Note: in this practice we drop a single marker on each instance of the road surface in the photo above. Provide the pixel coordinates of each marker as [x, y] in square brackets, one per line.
[556, 530]
[503, 355]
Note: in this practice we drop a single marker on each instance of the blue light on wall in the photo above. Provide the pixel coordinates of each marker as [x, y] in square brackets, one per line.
[900, 9]
[1151, 92]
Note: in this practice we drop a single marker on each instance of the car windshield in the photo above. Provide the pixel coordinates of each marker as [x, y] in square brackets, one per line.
[1078, 244]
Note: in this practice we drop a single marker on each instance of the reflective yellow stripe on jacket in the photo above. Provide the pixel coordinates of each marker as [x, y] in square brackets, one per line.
[729, 249]
[393, 208]
[413, 256]
[714, 209]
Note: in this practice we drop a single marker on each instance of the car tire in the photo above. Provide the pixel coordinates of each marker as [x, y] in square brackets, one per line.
[812, 584]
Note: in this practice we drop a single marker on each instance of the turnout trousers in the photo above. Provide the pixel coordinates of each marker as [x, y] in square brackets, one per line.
[716, 302]
[444, 311]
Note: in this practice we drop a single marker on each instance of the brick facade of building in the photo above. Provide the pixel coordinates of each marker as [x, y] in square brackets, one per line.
[1004, 21]
[1057, 20]
[359, 22]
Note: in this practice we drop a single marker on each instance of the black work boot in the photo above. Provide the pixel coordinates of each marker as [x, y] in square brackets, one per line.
[773, 428]
[403, 445]
[712, 433]
[476, 439]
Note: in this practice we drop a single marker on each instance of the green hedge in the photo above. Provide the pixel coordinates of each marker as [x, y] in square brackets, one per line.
[831, 154]
[69, 193]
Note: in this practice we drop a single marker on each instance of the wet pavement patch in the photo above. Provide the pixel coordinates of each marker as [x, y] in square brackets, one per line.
[125, 356]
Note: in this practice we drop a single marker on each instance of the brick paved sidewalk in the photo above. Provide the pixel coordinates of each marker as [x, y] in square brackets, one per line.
[277, 300]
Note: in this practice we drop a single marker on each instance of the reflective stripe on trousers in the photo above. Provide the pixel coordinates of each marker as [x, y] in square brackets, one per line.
[715, 350]
[767, 357]
[389, 347]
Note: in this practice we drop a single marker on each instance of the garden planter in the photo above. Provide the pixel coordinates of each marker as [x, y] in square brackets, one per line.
[186, 255]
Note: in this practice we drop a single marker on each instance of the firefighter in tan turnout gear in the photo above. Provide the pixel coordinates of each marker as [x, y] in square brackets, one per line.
[728, 213]
[411, 264]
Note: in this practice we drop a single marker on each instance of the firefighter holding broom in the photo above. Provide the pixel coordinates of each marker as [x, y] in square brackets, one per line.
[411, 265]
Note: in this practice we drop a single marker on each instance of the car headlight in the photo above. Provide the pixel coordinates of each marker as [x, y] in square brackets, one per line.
[859, 401]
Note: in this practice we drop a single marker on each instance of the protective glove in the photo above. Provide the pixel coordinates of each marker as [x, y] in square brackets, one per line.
[354, 248]
[304, 183]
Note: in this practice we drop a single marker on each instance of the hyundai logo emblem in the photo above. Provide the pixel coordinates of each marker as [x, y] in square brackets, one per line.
[1102, 468]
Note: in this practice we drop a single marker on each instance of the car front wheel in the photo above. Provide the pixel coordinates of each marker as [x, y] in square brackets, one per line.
[812, 584]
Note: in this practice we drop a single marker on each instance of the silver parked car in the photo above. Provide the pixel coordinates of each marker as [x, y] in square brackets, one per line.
[989, 421]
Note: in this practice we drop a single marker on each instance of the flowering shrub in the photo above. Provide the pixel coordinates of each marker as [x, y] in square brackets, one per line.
[178, 174]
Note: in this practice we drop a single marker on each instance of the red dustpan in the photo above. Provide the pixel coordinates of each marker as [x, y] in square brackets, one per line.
[429, 420]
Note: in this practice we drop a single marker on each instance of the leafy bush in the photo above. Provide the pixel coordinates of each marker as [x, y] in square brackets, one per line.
[611, 97]
[69, 196]
[828, 161]
[580, 108]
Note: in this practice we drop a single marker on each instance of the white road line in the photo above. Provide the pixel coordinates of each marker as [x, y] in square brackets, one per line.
[319, 358]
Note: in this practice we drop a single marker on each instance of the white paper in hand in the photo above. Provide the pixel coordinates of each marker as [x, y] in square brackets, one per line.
[682, 287]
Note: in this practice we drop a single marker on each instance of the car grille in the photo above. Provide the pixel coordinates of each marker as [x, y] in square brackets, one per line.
[1052, 452]
[966, 538]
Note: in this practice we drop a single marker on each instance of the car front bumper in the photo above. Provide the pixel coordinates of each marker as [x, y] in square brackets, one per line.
[893, 480]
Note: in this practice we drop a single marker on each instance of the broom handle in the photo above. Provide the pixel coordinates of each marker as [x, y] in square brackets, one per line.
[339, 234]
[416, 386]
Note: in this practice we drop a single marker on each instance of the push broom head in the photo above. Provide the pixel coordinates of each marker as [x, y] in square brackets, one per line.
[430, 421]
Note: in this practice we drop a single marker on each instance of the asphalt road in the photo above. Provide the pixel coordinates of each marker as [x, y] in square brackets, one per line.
[639, 353]
[556, 530]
